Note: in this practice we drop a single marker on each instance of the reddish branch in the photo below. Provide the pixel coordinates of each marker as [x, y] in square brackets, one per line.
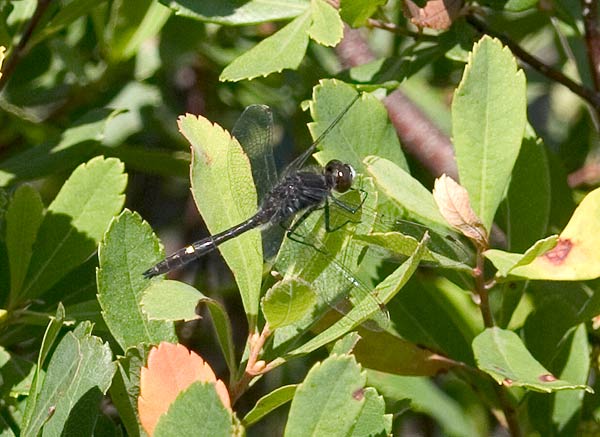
[419, 136]
[592, 38]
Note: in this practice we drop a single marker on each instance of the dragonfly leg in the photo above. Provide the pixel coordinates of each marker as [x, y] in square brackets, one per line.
[298, 238]
[344, 206]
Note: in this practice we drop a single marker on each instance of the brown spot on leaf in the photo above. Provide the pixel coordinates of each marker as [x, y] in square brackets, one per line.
[548, 377]
[560, 252]
[359, 394]
[507, 382]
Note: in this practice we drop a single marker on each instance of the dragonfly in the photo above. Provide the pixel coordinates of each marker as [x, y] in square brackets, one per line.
[299, 192]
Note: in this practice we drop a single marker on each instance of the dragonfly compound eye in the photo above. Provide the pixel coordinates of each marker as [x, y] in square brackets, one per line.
[340, 175]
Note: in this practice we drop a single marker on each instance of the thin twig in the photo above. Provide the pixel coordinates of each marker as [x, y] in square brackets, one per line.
[391, 27]
[592, 38]
[587, 94]
[21, 49]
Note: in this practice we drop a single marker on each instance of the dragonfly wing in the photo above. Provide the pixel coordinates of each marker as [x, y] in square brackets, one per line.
[254, 131]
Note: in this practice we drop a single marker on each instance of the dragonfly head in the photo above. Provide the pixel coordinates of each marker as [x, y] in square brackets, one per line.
[339, 175]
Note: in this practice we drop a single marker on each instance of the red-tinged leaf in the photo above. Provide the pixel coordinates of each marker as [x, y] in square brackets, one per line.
[455, 206]
[171, 369]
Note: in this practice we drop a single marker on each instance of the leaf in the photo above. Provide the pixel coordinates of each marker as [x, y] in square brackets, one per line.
[436, 314]
[356, 12]
[225, 195]
[326, 28]
[133, 22]
[127, 250]
[453, 202]
[74, 222]
[425, 397]
[562, 406]
[287, 302]
[76, 144]
[125, 388]
[330, 387]
[50, 336]
[405, 191]
[398, 245]
[391, 354]
[269, 403]
[506, 262]
[197, 411]
[575, 256]
[436, 14]
[503, 356]
[372, 419]
[363, 310]
[23, 218]
[79, 373]
[488, 122]
[171, 300]
[528, 197]
[234, 13]
[171, 369]
[284, 49]
[364, 130]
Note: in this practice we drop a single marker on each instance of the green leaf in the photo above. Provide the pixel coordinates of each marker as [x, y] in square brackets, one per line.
[67, 13]
[76, 144]
[284, 49]
[287, 302]
[503, 356]
[425, 397]
[50, 336]
[326, 28]
[403, 245]
[506, 262]
[171, 300]
[132, 23]
[125, 388]
[74, 223]
[488, 122]
[356, 12]
[364, 130]
[405, 191]
[364, 309]
[372, 420]
[197, 411]
[268, 403]
[438, 314]
[234, 13]
[563, 406]
[528, 197]
[329, 400]
[79, 373]
[127, 250]
[389, 353]
[225, 195]
[23, 218]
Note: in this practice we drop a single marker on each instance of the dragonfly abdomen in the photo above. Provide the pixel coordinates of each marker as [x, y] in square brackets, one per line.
[202, 247]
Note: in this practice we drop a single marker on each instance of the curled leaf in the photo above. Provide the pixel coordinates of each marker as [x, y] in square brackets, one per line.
[455, 206]
[171, 369]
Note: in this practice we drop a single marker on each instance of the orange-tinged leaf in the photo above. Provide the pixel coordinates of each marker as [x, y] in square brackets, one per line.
[171, 369]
